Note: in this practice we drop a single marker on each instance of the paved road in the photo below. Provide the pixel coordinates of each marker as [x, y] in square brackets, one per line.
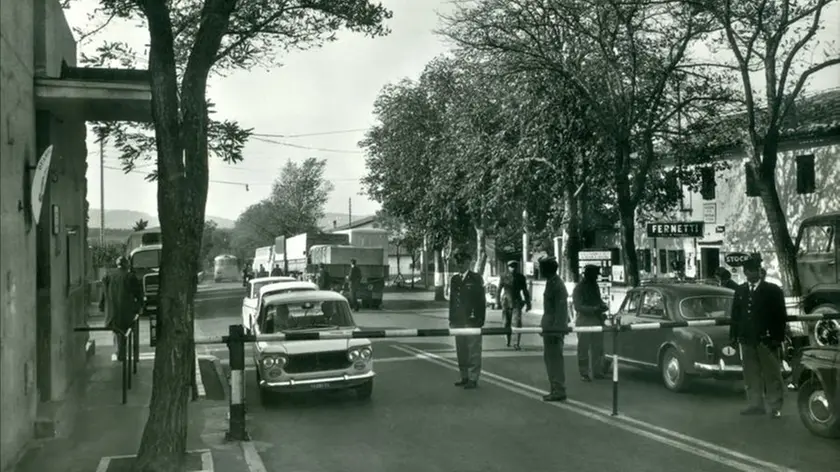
[417, 421]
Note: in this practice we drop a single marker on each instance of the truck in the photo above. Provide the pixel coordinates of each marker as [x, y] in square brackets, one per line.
[336, 259]
[263, 256]
[368, 237]
[296, 254]
[817, 262]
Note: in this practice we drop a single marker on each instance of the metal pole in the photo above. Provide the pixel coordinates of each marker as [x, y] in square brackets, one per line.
[236, 350]
[124, 371]
[349, 212]
[615, 369]
[129, 355]
[101, 190]
[524, 238]
[136, 342]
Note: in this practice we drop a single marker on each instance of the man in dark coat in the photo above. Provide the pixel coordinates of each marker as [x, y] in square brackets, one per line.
[512, 296]
[122, 297]
[355, 283]
[725, 278]
[276, 271]
[262, 272]
[555, 317]
[323, 277]
[591, 311]
[467, 309]
[758, 325]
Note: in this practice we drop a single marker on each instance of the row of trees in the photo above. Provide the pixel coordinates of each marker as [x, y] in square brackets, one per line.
[586, 114]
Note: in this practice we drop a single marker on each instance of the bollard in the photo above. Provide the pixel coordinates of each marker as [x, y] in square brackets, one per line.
[128, 340]
[136, 342]
[236, 350]
[124, 371]
[616, 327]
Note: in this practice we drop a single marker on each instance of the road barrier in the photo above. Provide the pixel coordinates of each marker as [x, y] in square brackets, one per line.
[237, 338]
[131, 357]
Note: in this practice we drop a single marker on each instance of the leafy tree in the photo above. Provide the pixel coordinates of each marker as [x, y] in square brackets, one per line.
[140, 225]
[215, 241]
[189, 39]
[106, 256]
[774, 38]
[623, 60]
[295, 205]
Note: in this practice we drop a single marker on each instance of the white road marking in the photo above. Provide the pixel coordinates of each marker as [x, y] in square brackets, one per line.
[206, 461]
[252, 457]
[738, 460]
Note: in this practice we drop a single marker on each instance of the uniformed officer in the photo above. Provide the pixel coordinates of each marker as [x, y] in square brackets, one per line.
[591, 311]
[758, 325]
[467, 309]
[725, 278]
[122, 296]
[512, 297]
[555, 317]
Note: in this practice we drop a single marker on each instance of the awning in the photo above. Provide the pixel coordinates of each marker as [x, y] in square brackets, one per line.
[96, 94]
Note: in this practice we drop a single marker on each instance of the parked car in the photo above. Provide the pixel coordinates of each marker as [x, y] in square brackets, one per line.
[680, 354]
[251, 306]
[311, 365]
[817, 378]
[253, 286]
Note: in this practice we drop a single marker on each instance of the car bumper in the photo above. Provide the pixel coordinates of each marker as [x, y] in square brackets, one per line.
[723, 369]
[336, 382]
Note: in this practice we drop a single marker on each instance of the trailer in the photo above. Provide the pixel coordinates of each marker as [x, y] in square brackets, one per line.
[336, 260]
[296, 254]
[368, 237]
[263, 256]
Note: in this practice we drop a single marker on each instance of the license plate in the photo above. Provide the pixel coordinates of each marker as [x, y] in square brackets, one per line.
[319, 386]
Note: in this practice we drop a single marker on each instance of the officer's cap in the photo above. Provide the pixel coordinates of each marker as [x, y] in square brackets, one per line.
[513, 264]
[548, 259]
[752, 264]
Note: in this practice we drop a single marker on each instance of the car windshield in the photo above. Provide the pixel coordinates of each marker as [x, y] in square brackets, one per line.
[259, 285]
[306, 315]
[146, 259]
[280, 291]
[698, 308]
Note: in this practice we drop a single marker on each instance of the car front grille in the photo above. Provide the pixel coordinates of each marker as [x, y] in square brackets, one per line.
[317, 362]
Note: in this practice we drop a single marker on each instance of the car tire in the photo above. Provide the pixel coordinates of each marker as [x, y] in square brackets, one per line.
[809, 402]
[672, 370]
[364, 391]
[826, 308]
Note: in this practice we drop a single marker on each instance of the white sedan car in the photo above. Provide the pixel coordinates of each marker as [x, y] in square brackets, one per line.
[252, 291]
[250, 310]
[311, 365]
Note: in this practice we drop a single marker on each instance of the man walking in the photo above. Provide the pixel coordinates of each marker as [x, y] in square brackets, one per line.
[512, 296]
[758, 325]
[555, 317]
[467, 309]
[122, 295]
[591, 311]
[323, 277]
[355, 283]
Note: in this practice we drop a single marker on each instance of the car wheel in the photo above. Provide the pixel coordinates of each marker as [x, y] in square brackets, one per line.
[364, 391]
[673, 371]
[825, 332]
[817, 411]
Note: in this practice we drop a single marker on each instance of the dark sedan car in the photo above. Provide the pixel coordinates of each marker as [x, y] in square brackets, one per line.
[680, 354]
[817, 376]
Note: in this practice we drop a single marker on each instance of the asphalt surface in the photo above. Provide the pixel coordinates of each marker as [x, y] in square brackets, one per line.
[418, 421]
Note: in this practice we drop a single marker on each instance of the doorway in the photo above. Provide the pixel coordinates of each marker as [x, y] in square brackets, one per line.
[710, 261]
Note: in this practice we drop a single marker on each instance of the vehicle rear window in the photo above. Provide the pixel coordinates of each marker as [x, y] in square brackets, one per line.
[146, 260]
[704, 307]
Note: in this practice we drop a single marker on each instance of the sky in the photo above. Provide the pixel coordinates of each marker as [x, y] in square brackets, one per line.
[328, 91]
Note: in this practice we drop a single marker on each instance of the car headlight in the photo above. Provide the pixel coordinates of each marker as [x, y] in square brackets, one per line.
[273, 361]
[360, 353]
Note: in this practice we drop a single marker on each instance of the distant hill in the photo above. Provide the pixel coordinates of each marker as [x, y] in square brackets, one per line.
[125, 219]
[340, 219]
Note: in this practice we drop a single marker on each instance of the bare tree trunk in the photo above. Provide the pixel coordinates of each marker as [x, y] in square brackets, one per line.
[480, 250]
[439, 276]
[572, 215]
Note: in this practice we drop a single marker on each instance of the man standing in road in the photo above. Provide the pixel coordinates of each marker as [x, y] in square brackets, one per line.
[276, 271]
[122, 295]
[555, 317]
[355, 283]
[758, 325]
[467, 309]
[725, 278]
[323, 279]
[591, 311]
[512, 296]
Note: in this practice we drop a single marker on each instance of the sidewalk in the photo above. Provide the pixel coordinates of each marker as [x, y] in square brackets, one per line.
[100, 427]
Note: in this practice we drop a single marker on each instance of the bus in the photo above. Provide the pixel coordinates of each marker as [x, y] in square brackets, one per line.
[144, 237]
[225, 267]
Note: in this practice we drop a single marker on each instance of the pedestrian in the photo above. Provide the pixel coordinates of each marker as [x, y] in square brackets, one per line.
[355, 282]
[122, 296]
[512, 296]
[262, 272]
[555, 318]
[323, 278]
[467, 309]
[276, 271]
[758, 326]
[591, 311]
[725, 278]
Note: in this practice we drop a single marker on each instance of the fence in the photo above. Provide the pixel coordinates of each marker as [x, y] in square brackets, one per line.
[131, 357]
[236, 340]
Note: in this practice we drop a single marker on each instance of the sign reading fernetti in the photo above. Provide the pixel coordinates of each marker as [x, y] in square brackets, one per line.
[683, 229]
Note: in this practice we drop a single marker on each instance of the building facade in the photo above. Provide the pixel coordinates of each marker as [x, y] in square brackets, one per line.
[43, 269]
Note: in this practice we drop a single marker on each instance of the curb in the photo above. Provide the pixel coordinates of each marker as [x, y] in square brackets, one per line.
[199, 383]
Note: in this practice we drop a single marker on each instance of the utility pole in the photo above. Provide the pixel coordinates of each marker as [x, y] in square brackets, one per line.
[349, 211]
[101, 190]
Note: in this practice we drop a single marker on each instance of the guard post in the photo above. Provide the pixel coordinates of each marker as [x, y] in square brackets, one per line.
[236, 351]
[616, 326]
